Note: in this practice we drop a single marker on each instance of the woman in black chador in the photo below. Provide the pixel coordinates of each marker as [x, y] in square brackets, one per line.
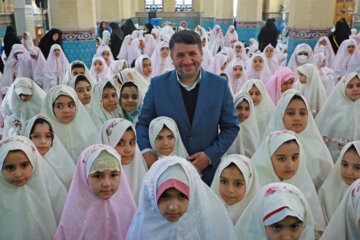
[116, 39]
[128, 27]
[341, 33]
[268, 34]
[54, 36]
[10, 38]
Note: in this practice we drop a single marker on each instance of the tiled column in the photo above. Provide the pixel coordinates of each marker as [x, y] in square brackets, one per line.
[224, 14]
[308, 21]
[77, 20]
[24, 17]
[248, 17]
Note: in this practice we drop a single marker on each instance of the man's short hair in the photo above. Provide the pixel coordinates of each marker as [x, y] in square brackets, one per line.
[187, 37]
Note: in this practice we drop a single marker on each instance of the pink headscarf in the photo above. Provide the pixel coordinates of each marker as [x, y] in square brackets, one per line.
[134, 50]
[242, 54]
[37, 65]
[263, 75]
[273, 86]
[52, 61]
[124, 50]
[85, 216]
[219, 61]
[344, 62]
[28, 43]
[150, 44]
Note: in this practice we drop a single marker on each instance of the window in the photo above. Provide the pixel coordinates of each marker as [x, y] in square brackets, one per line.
[153, 5]
[183, 5]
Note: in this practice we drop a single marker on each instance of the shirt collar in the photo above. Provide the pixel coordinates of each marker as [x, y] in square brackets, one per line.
[187, 88]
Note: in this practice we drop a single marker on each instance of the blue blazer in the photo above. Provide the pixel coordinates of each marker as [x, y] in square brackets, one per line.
[215, 123]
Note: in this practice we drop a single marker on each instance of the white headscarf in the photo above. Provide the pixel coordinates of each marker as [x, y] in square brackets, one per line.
[313, 90]
[139, 66]
[254, 45]
[28, 43]
[338, 119]
[68, 76]
[97, 111]
[123, 54]
[37, 205]
[156, 125]
[327, 50]
[344, 223]
[64, 166]
[293, 62]
[55, 68]
[247, 169]
[38, 65]
[326, 73]
[159, 64]
[230, 37]
[219, 61]
[97, 77]
[20, 67]
[115, 66]
[269, 199]
[105, 48]
[138, 79]
[134, 50]
[112, 132]
[105, 38]
[81, 132]
[150, 44]
[216, 40]
[236, 84]
[242, 54]
[264, 75]
[318, 159]
[272, 62]
[266, 173]
[264, 110]
[200, 221]
[248, 138]
[344, 62]
[13, 108]
[207, 58]
[332, 191]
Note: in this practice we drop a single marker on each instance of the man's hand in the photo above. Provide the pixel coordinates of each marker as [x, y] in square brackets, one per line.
[200, 160]
[150, 158]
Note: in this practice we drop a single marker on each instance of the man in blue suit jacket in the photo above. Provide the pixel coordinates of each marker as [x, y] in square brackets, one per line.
[200, 103]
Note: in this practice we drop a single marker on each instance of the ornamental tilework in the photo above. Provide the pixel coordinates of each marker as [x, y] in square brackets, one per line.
[248, 25]
[80, 50]
[307, 35]
[78, 36]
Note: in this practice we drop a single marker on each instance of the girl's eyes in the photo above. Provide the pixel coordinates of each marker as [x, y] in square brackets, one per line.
[171, 137]
[9, 168]
[294, 226]
[281, 159]
[296, 157]
[115, 174]
[133, 143]
[24, 164]
[182, 196]
[239, 184]
[71, 105]
[276, 227]
[290, 113]
[223, 181]
[344, 164]
[303, 113]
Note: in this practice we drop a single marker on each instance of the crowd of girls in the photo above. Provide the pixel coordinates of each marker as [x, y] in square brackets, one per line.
[71, 167]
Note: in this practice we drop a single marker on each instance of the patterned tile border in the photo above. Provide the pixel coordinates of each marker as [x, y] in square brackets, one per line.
[247, 24]
[78, 36]
[224, 21]
[307, 34]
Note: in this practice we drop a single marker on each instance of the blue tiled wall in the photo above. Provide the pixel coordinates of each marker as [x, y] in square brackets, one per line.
[191, 22]
[209, 24]
[2, 32]
[80, 50]
[294, 42]
[247, 33]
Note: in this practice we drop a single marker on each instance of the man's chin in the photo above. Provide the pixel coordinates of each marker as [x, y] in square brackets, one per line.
[188, 75]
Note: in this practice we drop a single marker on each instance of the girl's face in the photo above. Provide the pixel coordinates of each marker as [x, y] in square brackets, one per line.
[165, 142]
[288, 228]
[25, 36]
[296, 116]
[24, 97]
[258, 63]
[285, 160]
[351, 49]
[97, 42]
[98, 66]
[243, 110]
[203, 42]
[104, 184]
[83, 91]
[57, 52]
[223, 67]
[287, 85]
[350, 167]
[303, 53]
[238, 49]
[255, 95]
[323, 64]
[141, 44]
[106, 55]
[17, 168]
[237, 71]
[269, 52]
[55, 36]
[126, 147]
[173, 204]
[109, 99]
[77, 71]
[164, 52]
[129, 98]
[302, 78]
[352, 90]
[64, 109]
[232, 185]
[146, 66]
[42, 137]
